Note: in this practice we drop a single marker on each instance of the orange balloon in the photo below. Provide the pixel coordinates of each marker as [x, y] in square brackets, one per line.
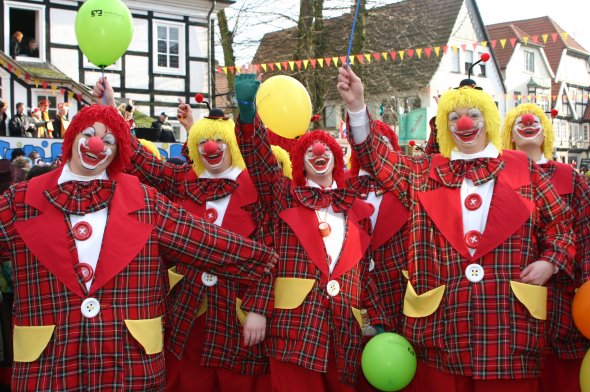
[581, 309]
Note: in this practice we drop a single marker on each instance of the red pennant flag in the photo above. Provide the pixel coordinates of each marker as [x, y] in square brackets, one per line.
[298, 63]
[513, 42]
[360, 58]
[79, 97]
[393, 54]
[493, 42]
[272, 66]
[475, 45]
[313, 61]
[219, 70]
[428, 51]
[376, 56]
[554, 36]
[445, 48]
[328, 60]
[27, 77]
[232, 69]
[257, 68]
[285, 65]
[410, 52]
[535, 39]
[9, 66]
[342, 59]
[464, 47]
[44, 84]
[62, 90]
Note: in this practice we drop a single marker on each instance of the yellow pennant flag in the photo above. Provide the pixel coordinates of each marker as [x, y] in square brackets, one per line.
[351, 59]
[291, 64]
[564, 35]
[437, 50]
[305, 62]
[263, 65]
[545, 37]
[526, 40]
[53, 88]
[278, 65]
[401, 54]
[419, 52]
[335, 61]
[503, 42]
[484, 44]
[36, 81]
[454, 48]
[321, 61]
[384, 55]
[70, 94]
[368, 57]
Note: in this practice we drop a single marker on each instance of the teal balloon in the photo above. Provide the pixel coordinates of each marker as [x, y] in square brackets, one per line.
[104, 29]
[389, 362]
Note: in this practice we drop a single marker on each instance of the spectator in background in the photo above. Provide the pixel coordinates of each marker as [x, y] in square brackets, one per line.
[37, 121]
[127, 110]
[3, 117]
[17, 153]
[36, 159]
[47, 130]
[16, 44]
[32, 48]
[39, 170]
[21, 125]
[162, 125]
[176, 161]
[61, 122]
[23, 163]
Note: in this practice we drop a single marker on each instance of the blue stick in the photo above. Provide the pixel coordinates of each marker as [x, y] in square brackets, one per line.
[104, 95]
[356, 13]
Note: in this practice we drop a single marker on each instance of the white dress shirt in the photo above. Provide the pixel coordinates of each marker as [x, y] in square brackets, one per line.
[220, 205]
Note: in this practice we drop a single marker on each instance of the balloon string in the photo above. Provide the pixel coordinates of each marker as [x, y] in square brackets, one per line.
[104, 95]
[356, 13]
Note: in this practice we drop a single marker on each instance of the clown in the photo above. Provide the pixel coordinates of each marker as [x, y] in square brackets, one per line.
[89, 300]
[321, 231]
[527, 128]
[219, 324]
[486, 232]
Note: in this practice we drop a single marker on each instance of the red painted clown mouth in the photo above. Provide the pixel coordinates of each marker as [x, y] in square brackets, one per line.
[91, 160]
[214, 159]
[320, 164]
[528, 132]
[467, 136]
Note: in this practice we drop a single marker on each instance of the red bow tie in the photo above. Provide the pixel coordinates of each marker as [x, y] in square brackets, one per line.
[315, 198]
[208, 189]
[479, 170]
[363, 185]
[81, 197]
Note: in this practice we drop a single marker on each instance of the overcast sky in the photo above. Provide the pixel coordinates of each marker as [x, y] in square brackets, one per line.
[571, 15]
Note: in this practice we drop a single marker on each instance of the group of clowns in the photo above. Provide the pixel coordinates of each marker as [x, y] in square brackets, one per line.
[242, 271]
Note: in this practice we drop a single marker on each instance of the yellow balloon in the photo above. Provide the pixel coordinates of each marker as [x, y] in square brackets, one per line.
[284, 106]
[585, 373]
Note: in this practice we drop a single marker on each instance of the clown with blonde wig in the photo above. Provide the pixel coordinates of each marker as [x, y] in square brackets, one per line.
[321, 230]
[528, 129]
[486, 232]
[218, 317]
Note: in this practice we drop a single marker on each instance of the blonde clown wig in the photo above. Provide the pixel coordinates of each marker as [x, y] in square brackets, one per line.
[535, 110]
[283, 158]
[468, 98]
[213, 129]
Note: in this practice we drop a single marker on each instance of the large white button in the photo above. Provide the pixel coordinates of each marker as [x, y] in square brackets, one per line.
[333, 288]
[208, 279]
[371, 265]
[474, 273]
[90, 307]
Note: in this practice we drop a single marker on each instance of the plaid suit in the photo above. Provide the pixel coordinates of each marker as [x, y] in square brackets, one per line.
[104, 353]
[304, 334]
[481, 330]
[563, 337]
[223, 339]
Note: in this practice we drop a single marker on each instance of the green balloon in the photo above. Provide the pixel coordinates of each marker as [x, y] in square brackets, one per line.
[104, 29]
[389, 362]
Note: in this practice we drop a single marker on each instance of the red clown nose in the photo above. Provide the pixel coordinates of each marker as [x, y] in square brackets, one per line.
[210, 147]
[95, 145]
[318, 149]
[464, 123]
[527, 119]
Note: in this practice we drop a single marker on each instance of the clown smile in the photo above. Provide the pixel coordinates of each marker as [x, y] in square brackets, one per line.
[528, 132]
[320, 164]
[467, 136]
[214, 160]
[88, 159]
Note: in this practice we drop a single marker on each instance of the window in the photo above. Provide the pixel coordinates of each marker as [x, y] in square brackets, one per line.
[586, 134]
[517, 98]
[468, 60]
[169, 47]
[529, 61]
[482, 67]
[455, 61]
[29, 20]
[52, 111]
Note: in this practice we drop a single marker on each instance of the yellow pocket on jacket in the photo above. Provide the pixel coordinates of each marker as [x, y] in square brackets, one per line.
[533, 297]
[424, 304]
[291, 292]
[241, 314]
[173, 277]
[29, 342]
[148, 332]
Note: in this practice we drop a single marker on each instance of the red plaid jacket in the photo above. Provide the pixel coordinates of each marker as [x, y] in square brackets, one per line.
[223, 344]
[306, 325]
[482, 330]
[120, 349]
[388, 248]
[563, 337]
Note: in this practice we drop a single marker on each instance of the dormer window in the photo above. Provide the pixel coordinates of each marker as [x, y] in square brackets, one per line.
[529, 61]
[24, 39]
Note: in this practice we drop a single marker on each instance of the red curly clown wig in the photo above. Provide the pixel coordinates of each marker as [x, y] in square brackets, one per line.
[110, 117]
[298, 155]
[382, 129]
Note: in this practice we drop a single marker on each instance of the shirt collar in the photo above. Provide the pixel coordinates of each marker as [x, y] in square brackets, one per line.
[364, 173]
[489, 152]
[231, 174]
[68, 175]
[542, 160]
[312, 184]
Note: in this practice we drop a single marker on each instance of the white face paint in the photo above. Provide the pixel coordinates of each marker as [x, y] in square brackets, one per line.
[93, 161]
[215, 160]
[467, 128]
[319, 164]
[529, 128]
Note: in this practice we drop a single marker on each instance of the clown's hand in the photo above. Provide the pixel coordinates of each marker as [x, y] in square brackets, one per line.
[351, 89]
[102, 88]
[246, 87]
[184, 113]
[538, 273]
[254, 329]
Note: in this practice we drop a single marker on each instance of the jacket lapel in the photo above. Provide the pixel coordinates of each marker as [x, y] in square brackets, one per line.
[303, 222]
[356, 241]
[46, 235]
[236, 219]
[391, 217]
[563, 179]
[118, 247]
